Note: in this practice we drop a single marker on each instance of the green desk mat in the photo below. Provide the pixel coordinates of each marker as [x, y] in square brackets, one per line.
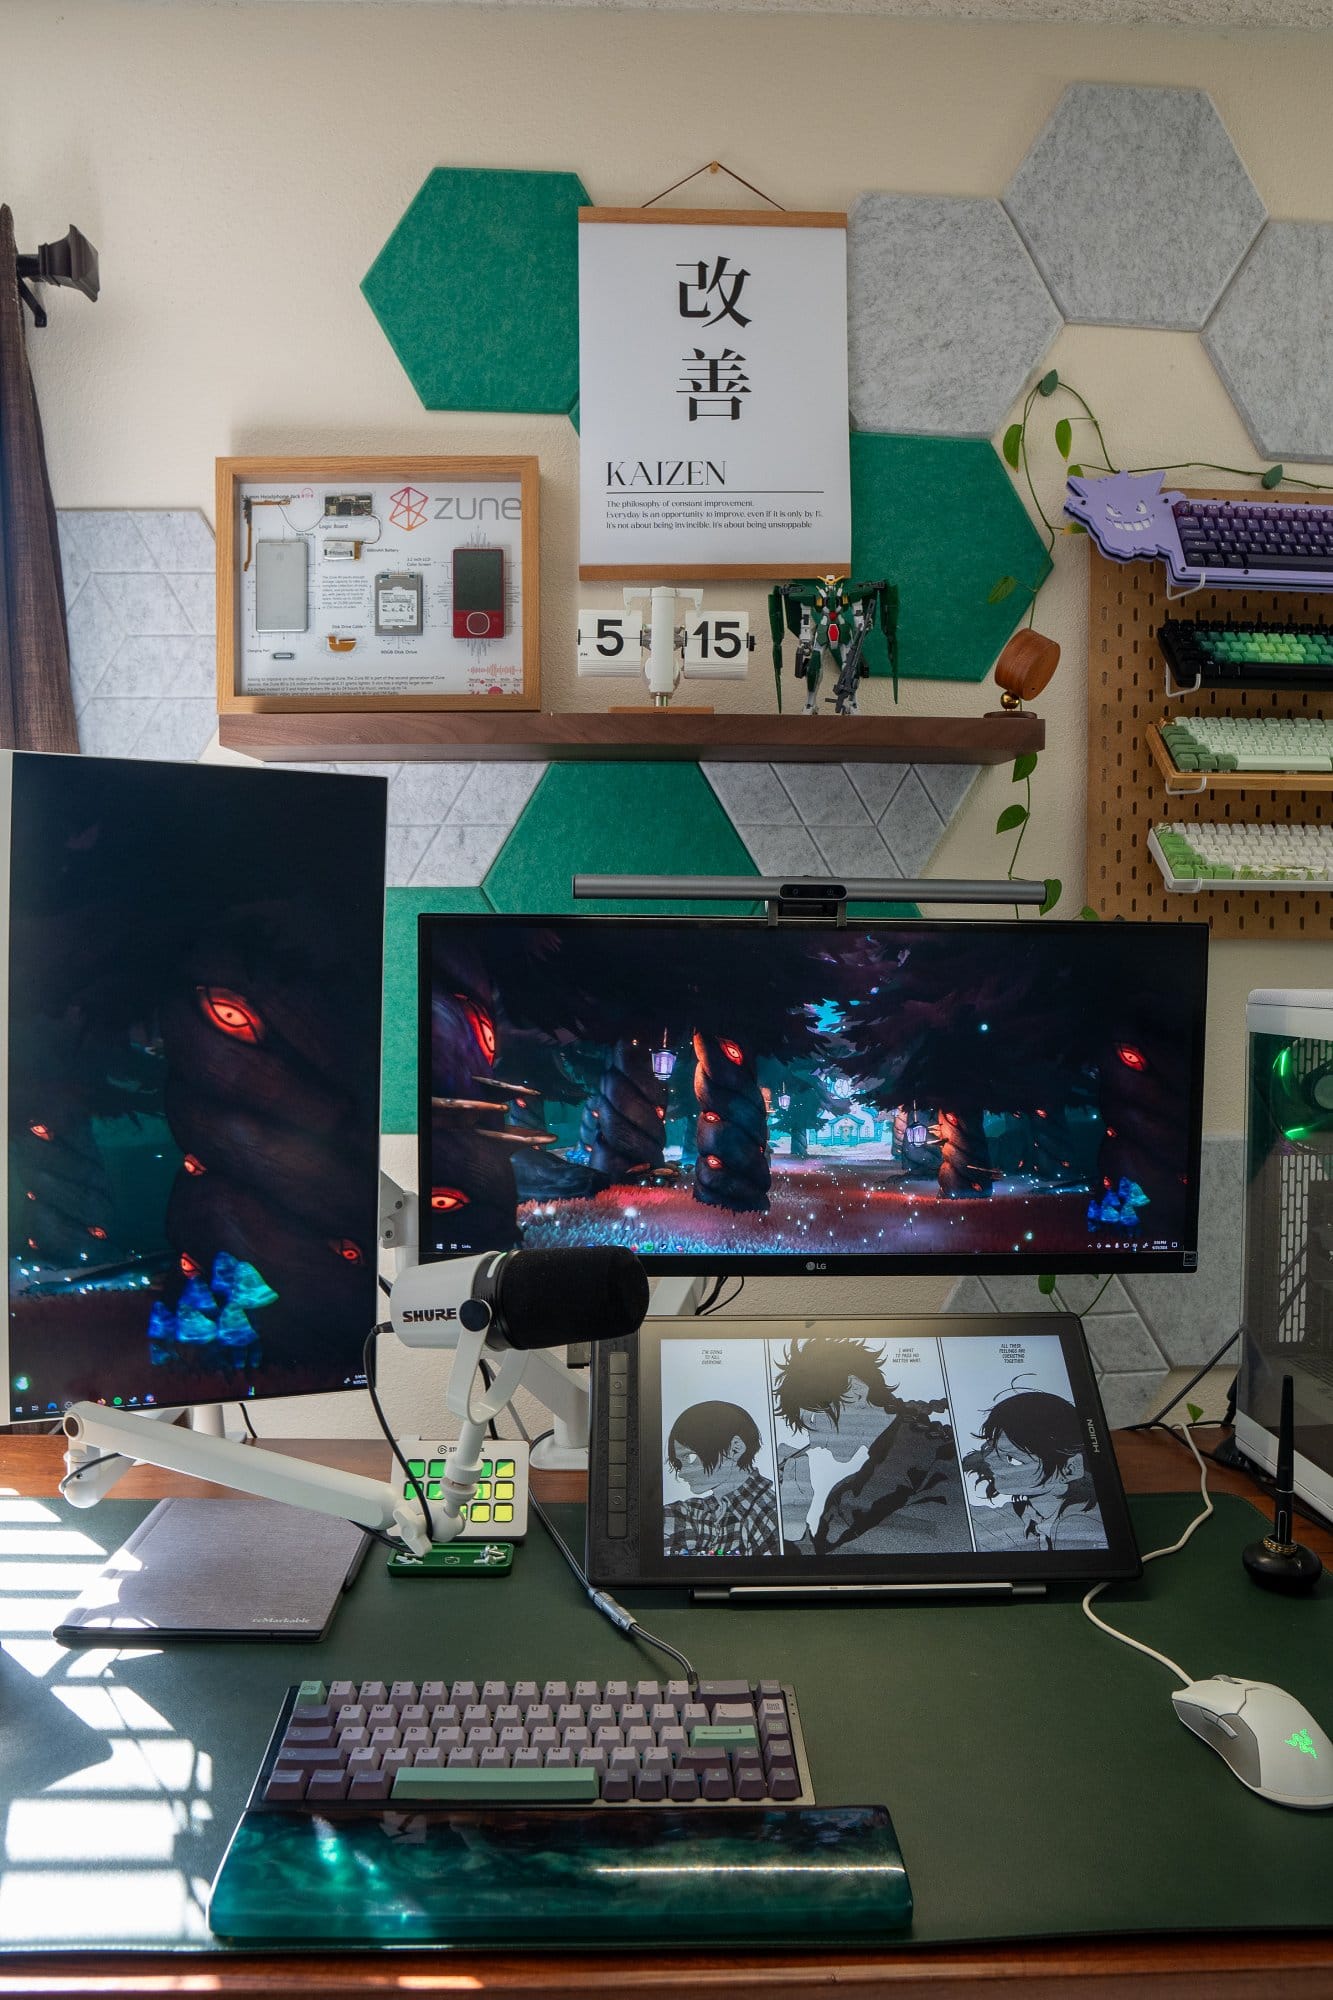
[1039, 1781]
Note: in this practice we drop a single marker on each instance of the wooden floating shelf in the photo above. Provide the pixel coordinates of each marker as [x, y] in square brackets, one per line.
[358, 736]
[1187, 784]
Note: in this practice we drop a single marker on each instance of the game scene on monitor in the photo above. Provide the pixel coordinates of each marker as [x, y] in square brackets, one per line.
[851, 1447]
[193, 1146]
[724, 1092]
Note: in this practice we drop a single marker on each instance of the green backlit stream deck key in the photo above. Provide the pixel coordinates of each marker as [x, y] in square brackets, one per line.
[499, 1509]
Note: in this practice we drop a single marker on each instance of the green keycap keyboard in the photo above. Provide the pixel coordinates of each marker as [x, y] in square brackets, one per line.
[1250, 743]
[1204, 652]
[498, 1511]
[1194, 856]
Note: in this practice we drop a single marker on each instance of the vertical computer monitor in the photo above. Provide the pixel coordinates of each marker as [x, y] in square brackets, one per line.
[193, 993]
[721, 1094]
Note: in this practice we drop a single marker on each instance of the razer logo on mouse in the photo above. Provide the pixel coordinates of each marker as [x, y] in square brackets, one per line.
[1301, 1740]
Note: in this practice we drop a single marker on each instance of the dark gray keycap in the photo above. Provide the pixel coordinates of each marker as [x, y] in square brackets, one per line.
[285, 1787]
[306, 1758]
[783, 1782]
[650, 1787]
[310, 1715]
[712, 1759]
[724, 1691]
[716, 1785]
[683, 1787]
[317, 1739]
[617, 1787]
[750, 1784]
[369, 1785]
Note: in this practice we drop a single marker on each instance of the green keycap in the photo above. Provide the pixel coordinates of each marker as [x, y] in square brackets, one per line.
[313, 1692]
[437, 1468]
[485, 1468]
[727, 1735]
[538, 1787]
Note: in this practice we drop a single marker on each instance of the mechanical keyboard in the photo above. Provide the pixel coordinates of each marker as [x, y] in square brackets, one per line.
[1239, 544]
[1250, 743]
[498, 1510]
[352, 1747]
[1204, 652]
[1195, 856]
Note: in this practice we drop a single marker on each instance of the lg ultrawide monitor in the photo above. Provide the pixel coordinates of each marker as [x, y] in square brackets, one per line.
[192, 985]
[720, 1094]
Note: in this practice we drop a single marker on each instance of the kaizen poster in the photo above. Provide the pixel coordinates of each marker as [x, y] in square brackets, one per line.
[712, 396]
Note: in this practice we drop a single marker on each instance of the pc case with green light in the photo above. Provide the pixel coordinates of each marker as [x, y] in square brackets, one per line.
[1288, 1317]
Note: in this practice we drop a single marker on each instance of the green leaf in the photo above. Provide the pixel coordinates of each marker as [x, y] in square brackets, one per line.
[1088, 915]
[1046, 1283]
[1075, 528]
[1006, 587]
[1193, 1411]
[1013, 444]
[1054, 888]
[1273, 477]
[1076, 472]
[1024, 765]
[1048, 384]
[1064, 437]
[1011, 817]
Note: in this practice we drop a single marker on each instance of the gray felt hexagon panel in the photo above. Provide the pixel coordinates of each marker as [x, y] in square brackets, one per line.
[1269, 340]
[1135, 205]
[947, 314]
[884, 820]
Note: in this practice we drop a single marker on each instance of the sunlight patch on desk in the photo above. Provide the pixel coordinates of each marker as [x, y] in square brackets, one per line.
[91, 1662]
[36, 1656]
[70, 1578]
[159, 1765]
[99, 1905]
[31, 1614]
[13, 1508]
[111, 1708]
[114, 1832]
[49, 1542]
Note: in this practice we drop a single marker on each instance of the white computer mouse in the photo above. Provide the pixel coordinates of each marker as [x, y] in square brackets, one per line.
[1272, 1743]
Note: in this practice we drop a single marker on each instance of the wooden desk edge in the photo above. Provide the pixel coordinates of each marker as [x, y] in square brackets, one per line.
[1243, 1966]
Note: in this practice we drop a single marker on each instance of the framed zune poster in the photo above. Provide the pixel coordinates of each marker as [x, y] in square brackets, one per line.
[712, 394]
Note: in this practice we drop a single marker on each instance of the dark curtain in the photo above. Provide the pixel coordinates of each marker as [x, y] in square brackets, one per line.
[36, 705]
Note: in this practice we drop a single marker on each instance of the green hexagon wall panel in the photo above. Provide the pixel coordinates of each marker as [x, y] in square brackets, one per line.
[477, 290]
[623, 819]
[940, 518]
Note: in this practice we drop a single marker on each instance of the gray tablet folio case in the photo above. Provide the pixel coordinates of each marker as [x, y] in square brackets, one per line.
[220, 1569]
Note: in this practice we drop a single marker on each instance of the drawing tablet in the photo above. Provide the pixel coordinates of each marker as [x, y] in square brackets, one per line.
[857, 1452]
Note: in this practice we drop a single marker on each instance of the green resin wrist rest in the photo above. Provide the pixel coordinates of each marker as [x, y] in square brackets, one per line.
[780, 1876]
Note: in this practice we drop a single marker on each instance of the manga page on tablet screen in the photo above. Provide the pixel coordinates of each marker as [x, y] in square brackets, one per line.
[834, 1446]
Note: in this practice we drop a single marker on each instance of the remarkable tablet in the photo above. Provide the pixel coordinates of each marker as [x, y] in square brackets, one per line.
[854, 1452]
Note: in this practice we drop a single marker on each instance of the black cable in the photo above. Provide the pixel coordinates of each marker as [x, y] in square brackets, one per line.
[103, 1458]
[706, 1303]
[368, 1365]
[245, 1419]
[1147, 1423]
[706, 1312]
[385, 1286]
[605, 1603]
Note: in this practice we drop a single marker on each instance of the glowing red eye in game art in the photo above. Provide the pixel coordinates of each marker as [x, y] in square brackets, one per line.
[711, 1160]
[732, 1051]
[188, 1265]
[1131, 1057]
[481, 1025]
[229, 1012]
[40, 1131]
[712, 1118]
[443, 1199]
[660, 1112]
[193, 1166]
[96, 1230]
[343, 1246]
[32, 1196]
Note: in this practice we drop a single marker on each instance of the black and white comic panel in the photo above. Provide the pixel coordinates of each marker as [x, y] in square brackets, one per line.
[832, 1446]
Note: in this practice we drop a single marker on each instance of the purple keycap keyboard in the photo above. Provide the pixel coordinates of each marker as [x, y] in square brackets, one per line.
[371, 1745]
[1240, 544]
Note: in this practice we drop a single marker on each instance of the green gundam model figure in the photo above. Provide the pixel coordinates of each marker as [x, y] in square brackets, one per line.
[832, 615]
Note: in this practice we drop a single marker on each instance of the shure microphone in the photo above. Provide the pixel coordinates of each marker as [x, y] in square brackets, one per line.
[523, 1298]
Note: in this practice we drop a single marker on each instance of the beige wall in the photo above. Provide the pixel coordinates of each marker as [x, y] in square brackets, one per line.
[238, 167]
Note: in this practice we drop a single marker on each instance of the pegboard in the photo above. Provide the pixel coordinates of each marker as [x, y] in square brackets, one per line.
[1127, 689]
